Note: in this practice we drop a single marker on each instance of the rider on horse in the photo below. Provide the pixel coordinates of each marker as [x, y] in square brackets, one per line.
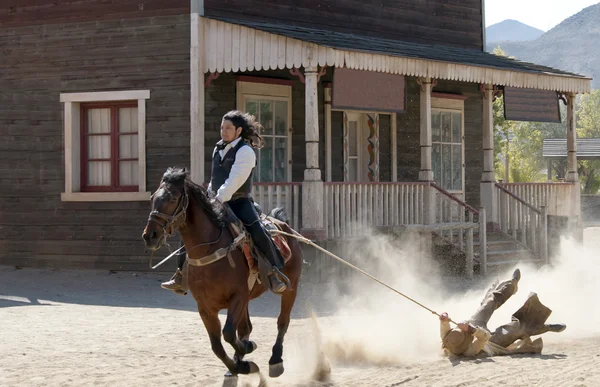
[233, 164]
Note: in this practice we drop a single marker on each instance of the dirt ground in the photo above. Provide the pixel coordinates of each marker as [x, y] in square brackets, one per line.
[93, 328]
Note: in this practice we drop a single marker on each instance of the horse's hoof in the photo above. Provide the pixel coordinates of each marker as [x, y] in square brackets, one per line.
[276, 370]
[253, 367]
[228, 374]
[230, 381]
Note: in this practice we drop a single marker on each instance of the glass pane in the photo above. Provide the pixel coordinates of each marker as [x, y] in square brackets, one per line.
[99, 147]
[446, 122]
[352, 138]
[446, 167]
[353, 170]
[128, 173]
[98, 121]
[266, 161]
[98, 173]
[457, 167]
[128, 120]
[436, 159]
[435, 126]
[252, 107]
[266, 117]
[281, 117]
[456, 127]
[128, 146]
[280, 159]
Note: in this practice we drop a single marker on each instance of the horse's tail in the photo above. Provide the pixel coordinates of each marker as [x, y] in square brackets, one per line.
[280, 214]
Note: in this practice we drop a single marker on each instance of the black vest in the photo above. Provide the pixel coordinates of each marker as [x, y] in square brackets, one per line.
[221, 167]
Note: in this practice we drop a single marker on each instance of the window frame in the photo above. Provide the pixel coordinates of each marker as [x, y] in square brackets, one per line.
[114, 134]
[74, 148]
[452, 104]
[276, 90]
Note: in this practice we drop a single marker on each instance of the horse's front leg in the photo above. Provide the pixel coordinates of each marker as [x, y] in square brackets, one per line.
[244, 329]
[213, 328]
[238, 320]
[287, 303]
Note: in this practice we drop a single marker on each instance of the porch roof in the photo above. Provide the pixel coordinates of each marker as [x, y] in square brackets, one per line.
[281, 46]
[587, 148]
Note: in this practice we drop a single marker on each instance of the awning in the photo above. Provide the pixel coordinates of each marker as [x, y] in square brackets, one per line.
[587, 148]
[240, 45]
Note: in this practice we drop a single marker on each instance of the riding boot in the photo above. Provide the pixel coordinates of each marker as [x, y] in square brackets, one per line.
[277, 285]
[176, 283]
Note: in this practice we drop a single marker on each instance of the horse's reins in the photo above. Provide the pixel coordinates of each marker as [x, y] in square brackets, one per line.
[179, 213]
[303, 239]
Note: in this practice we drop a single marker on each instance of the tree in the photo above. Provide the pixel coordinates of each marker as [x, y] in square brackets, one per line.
[588, 126]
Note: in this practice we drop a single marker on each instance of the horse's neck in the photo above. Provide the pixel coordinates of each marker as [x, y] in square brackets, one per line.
[200, 231]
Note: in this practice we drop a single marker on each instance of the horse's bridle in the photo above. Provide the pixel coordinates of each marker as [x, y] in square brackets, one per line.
[174, 221]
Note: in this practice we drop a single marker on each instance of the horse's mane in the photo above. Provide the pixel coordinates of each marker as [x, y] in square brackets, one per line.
[181, 177]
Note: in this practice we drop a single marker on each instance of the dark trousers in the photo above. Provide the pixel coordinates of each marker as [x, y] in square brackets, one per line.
[244, 209]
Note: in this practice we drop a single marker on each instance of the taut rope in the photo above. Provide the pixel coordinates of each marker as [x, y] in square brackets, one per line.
[302, 239]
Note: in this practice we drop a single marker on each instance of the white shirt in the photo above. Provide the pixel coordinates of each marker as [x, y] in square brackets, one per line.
[245, 160]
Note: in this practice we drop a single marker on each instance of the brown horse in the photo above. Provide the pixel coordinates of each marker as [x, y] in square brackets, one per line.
[180, 204]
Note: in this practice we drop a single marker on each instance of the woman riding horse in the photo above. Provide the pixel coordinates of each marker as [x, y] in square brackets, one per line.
[233, 164]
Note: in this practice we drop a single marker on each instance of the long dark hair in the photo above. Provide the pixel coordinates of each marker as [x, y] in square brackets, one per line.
[250, 127]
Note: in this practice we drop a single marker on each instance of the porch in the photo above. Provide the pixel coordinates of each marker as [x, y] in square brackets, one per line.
[333, 175]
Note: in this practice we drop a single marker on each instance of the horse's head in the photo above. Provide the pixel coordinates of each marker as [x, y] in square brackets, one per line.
[169, 208]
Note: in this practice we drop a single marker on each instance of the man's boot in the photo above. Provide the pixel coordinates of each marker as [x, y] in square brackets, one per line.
[175, 283]
[277, 286]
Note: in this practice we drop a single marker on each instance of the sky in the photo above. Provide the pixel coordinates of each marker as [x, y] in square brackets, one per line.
[542, 14]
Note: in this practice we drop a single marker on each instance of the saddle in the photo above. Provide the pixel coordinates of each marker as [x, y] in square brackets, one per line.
[258, 265]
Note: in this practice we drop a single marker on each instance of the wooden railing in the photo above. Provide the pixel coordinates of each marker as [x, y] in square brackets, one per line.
[556, 197]
[524, 222]
[286, 195]
[455, 218]
[352, 208]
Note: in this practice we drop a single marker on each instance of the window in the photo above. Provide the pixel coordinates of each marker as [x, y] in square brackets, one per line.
[447, 142]
[270, 103]
[105, 153]
[109, 147]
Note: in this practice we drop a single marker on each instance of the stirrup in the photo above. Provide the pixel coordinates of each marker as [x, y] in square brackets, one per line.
[282, 277]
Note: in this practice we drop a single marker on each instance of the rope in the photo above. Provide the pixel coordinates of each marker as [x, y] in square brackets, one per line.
[302, 239]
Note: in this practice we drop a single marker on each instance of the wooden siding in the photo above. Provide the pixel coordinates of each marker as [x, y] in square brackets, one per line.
[457, 23]
[40, 62]
[30, 12]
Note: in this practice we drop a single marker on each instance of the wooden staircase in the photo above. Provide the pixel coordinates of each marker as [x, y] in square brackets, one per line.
[502, 252]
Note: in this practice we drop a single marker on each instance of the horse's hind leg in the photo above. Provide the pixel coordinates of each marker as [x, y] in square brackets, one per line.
[213, 328]
[244, 329]
[287, 303]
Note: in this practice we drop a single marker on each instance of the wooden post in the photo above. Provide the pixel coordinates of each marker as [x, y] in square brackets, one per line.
[544, 235]
[197, 91]
[469, 252]
[426, 172]
[482, 242]
[572, 174]
[327, 119]
[312, 186]
[394, 136]
[488, 180]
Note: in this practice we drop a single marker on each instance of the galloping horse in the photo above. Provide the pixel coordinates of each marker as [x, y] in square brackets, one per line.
[180, 204]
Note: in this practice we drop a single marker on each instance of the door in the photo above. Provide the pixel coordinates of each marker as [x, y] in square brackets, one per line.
[361, 147]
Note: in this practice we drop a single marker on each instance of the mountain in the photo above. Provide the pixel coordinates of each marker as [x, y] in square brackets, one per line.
[573, 45]
[511, 30]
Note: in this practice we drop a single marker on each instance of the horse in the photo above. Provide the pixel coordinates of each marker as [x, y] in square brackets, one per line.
[181, 205]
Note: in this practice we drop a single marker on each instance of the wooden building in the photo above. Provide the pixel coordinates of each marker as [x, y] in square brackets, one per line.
[376, 114]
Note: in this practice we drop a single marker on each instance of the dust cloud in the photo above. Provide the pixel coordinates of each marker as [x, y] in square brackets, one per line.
[373, 325]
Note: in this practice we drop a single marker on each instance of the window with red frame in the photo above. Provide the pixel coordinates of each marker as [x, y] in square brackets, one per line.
[109, 147]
